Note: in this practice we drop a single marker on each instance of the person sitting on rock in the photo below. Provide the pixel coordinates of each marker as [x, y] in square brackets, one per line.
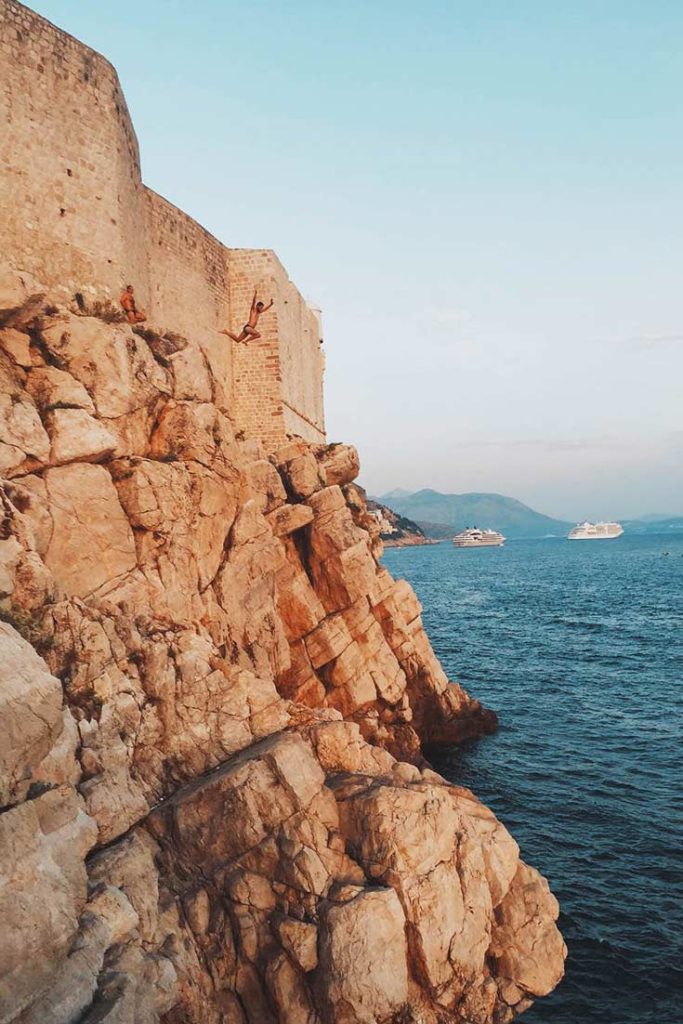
[249, 330]
[133, 314]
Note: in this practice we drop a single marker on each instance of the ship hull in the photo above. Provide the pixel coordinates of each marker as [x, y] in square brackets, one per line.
[604, 536]
[478, 544]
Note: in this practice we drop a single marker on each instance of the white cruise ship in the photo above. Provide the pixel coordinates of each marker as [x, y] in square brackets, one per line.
[473, 537]
[596, 531]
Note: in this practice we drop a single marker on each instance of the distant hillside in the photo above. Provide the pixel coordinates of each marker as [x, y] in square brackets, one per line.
[396, 530]
[438, 531]
[654, 524]
[433, 510]
[399, 492]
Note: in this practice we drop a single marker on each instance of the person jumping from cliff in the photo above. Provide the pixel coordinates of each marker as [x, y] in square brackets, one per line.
[249, 331]
[127, 300]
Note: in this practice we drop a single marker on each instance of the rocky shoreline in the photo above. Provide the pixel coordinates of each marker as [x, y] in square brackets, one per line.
[408, 542]
[395, 530]
[214, 700]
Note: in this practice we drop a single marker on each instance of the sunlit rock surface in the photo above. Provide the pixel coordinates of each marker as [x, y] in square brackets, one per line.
[215, 807]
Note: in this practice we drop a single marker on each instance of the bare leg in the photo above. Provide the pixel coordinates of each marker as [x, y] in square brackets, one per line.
[235, 337]
[252, 334]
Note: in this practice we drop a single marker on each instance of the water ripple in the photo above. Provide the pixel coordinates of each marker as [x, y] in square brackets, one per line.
[580, 650]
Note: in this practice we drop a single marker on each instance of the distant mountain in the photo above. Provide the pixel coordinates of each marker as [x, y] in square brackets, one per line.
[433, 511]
[653, 517]
[398, 492]
[653, 524]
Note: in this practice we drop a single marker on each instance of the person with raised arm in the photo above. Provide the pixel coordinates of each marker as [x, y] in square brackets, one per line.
[249, 332]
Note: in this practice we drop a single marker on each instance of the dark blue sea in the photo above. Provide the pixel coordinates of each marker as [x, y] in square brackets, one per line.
[579, 648]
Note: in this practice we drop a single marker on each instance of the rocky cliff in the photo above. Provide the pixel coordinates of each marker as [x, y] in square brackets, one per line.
[214, 805]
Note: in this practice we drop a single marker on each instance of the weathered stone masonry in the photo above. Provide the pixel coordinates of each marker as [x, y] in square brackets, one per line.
[77, 217]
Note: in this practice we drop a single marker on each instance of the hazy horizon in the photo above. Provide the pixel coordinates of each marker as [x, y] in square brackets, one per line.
[385, 496]
[486, 202]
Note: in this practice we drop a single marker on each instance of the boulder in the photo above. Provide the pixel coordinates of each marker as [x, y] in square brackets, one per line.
[288, 518]
[340, 463]
[363, 970]
[300, 471]
[526, 944]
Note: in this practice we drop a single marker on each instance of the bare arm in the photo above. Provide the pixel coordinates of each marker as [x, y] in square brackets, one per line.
[253, 302]
[267, 307]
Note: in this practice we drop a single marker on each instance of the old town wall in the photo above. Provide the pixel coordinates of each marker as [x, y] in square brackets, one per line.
[77, 217]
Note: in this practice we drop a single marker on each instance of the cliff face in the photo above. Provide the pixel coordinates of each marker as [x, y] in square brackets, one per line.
[214, 804]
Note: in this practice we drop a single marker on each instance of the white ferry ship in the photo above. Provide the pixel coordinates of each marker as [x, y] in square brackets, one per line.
[473, 537]
[596, 531]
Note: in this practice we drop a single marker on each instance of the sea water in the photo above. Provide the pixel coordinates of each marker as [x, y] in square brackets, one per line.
[578, 645]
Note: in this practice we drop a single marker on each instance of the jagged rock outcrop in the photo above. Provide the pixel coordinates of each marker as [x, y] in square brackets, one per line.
[215, 804]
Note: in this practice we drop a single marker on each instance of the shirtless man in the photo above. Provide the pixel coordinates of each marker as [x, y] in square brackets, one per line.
[249, 329]
[127, 300]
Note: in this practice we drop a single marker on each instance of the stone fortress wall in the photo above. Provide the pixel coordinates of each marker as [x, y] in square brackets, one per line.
[77, 217]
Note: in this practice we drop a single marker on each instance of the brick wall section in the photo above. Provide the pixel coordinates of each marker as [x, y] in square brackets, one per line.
[78, 218]
[72, 200]
[188, 268]
[278, 379]
[189, 284]
[257, 380]
[301, 359]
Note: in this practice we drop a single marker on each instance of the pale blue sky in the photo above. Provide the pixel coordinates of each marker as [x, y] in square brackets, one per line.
[485, 198]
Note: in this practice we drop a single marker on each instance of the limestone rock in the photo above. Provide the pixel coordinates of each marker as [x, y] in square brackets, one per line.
[30, 714]
[527, 946]
[162, 346]
[21, 297]
[300, 940]
[363, 970]
[51, 388]
[191, 374]
[232, 677]
[266, 485]
[44, 836]
[92, 542]
[77, 436]
[114, 366]
[190, 432]
[43, 843]
[299, 469]
[23, 440]
[17, 345]
[289, 518]
[340, 463]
